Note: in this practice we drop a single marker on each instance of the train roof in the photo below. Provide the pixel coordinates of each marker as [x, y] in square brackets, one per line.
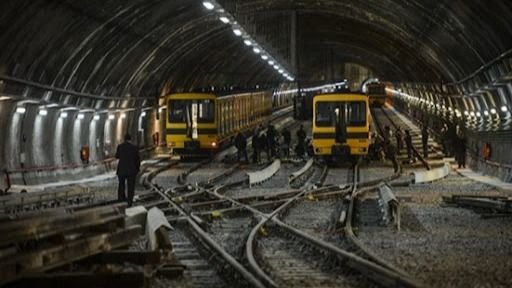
[334, 95]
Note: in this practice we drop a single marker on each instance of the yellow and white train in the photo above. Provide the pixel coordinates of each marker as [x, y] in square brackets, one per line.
[341, 125]
[199, 123]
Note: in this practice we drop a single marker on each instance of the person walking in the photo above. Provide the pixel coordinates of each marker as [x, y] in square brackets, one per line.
[127, 169]
[399, 143]
[241, 146]
[408, 144]
[424, 140]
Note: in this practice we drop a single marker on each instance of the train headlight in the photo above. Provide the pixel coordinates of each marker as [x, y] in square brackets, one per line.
[214, 144]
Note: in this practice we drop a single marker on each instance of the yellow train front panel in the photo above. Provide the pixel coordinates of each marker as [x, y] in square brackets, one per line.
[352, 110]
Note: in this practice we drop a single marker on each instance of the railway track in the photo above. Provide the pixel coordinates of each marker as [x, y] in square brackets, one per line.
[307, 215]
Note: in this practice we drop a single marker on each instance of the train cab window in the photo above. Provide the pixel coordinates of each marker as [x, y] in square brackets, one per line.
[179, 109]
[206, 111]
[357, 114]
[352, 113]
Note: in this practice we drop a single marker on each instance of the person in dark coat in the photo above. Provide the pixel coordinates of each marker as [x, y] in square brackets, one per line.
[287, 136]
[256, 146]
[301, 142]
[271, 141]
[241, 145]
[127, 169]
[424, 140]
[408, 144]
[399, 143]
[460, 152]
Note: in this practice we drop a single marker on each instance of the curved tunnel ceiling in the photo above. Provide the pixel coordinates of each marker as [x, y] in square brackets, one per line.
[136, 47]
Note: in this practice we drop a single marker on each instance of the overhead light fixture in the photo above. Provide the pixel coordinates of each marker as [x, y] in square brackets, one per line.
[276, 67]
[208, 5]
[466, 113]
[478, 114]
[43, 112]
[270, 62]
[237, 32]
[472, 113]
[2, 98]
[123, 115]
[504, 108]
[264, 57]
[21, 110]
[281, 71]
[80, 116]
[111, 117]
[247, 42]
[96, 117]
[493, 111]
[224, 19]
[143, 114]
[486, 113]
[63, 115]
[256, 50]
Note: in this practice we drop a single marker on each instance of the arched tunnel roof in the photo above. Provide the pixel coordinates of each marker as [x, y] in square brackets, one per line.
[133, 48]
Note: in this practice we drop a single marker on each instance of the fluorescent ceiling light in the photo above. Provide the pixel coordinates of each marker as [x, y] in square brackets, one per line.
[80, 116]
[276, 67]
[64, 115]
[493, 111]
[143, 114]
[224, 19]
[21, 110]
[208, 5]
[247, 42]
[43, 112]
[256, 50]
[264, 57]
[237, 32]
[111, 117]
[96, 117]
[123, 115]
[270, 62]
[504, 108]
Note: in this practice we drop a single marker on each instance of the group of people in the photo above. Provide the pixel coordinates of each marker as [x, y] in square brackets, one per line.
[383, 146]
[271, 142]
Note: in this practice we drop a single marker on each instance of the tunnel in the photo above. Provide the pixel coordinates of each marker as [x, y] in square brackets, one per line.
[77, 76]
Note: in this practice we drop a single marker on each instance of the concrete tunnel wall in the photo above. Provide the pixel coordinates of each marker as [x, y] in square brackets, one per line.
[38, 142]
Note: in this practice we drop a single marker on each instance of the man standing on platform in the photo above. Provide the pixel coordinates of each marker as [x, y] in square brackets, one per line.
[127, 169]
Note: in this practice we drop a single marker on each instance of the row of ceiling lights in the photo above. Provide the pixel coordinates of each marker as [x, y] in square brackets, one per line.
[79, 116]
[457, 112]
[226, 18]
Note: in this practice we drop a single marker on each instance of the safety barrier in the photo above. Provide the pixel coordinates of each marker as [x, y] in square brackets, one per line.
[265, 174]
[431, 175]
[303, 170]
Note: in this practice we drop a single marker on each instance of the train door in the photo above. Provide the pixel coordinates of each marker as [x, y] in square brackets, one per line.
[340, 112]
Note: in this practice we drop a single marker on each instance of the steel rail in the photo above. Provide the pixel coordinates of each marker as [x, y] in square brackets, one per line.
[202, 234]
